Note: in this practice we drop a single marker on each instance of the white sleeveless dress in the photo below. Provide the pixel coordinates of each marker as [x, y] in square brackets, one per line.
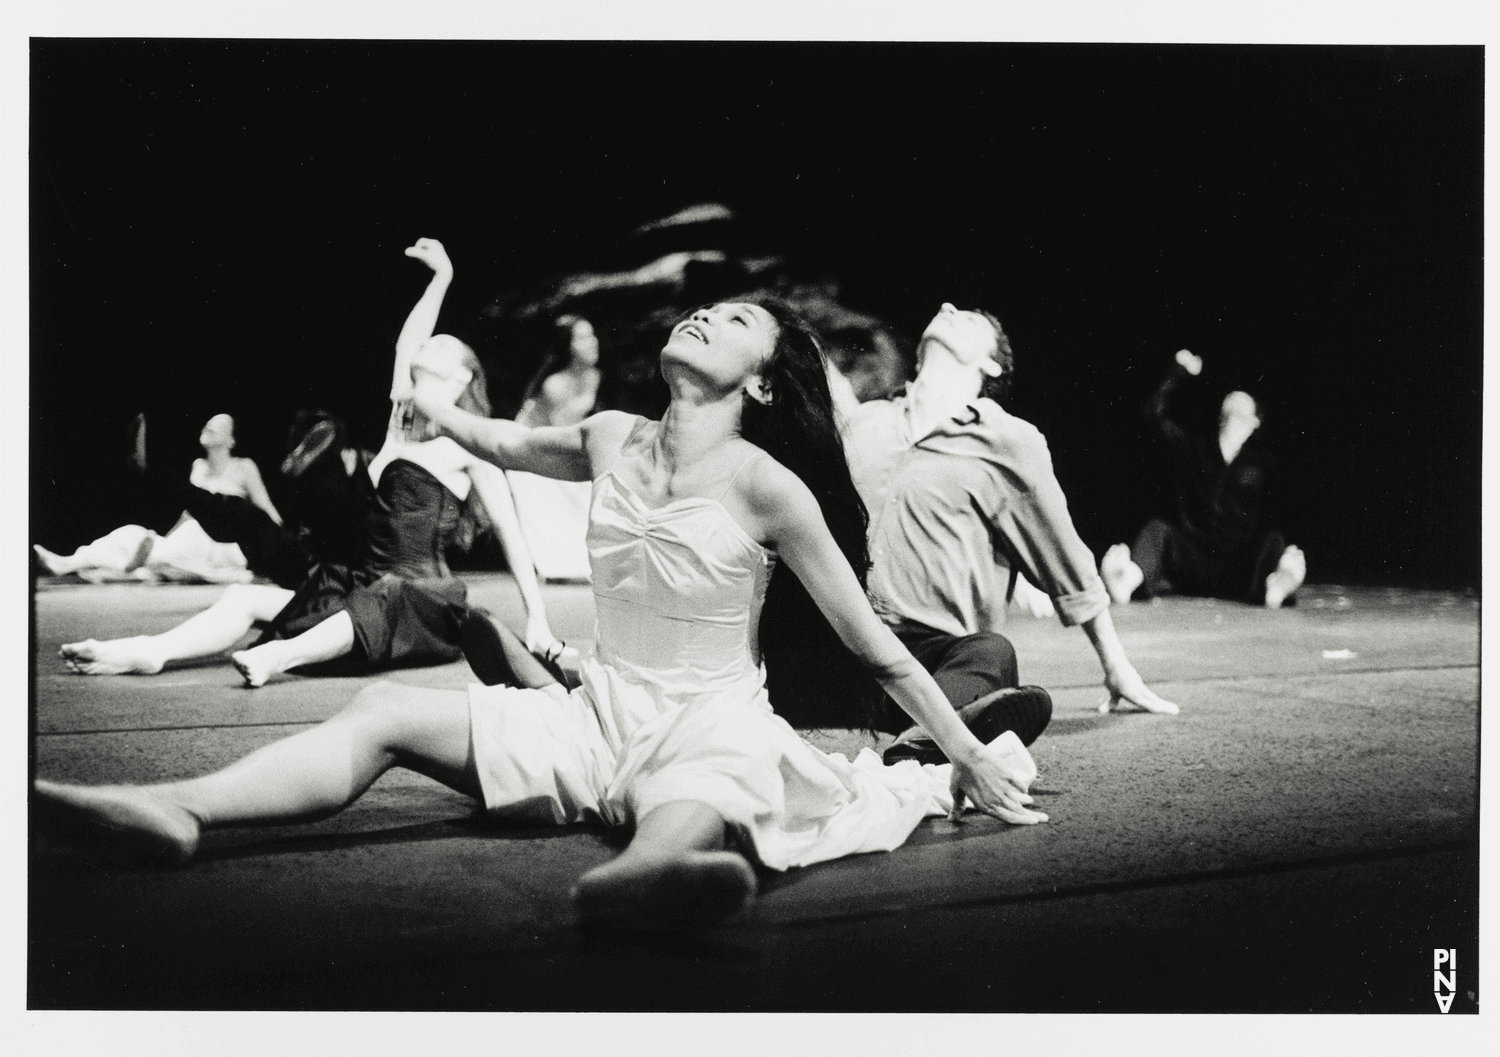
[673, 705]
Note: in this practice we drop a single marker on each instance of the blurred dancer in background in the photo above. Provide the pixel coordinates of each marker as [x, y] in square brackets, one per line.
[186, 553]
[1218, 540]
[400, 605]
[554, 515]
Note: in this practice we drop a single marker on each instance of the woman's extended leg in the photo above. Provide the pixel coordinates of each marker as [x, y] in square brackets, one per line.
[308, 776]
[332, 638]
[215, 629]
[675, 871]
[123, 550]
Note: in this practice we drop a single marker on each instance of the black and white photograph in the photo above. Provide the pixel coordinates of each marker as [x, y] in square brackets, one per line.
[757, 524]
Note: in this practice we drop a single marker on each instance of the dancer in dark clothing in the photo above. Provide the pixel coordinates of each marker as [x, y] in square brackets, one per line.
[398, 605]
[1218, 540]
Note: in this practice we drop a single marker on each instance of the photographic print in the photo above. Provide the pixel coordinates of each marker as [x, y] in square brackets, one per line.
[799, 526]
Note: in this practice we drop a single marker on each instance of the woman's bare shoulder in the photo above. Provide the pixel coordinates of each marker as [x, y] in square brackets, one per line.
[768, 487]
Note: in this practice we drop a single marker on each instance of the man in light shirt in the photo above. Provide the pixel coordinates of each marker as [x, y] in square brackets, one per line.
[961, 495]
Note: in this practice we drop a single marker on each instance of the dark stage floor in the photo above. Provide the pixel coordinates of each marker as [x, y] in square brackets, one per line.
[1300, 838]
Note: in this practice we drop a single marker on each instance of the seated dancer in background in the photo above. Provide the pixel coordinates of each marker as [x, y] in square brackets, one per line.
[1217, 541]
[186, 553]
[955, 485]
[695, 520]
[399, 606]
[554, 515]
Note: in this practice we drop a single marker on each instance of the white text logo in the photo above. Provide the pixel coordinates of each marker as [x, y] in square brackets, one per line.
[1442, 981]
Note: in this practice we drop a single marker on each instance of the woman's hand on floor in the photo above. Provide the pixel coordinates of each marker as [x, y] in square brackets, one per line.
[995, 787]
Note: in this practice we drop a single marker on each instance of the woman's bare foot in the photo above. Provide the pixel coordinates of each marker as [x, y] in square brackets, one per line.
[1288, 575]
[57, 564]
[256, 665]
[1121, 575]
[696, 888]
[132, 656]
[118, 821]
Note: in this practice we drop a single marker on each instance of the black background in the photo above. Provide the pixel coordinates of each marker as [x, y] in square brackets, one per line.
[218, 226]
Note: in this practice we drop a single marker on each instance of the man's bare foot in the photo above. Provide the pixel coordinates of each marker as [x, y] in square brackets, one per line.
[132, 656]
[1286, 578]
[56, 564]
[117, 821]
[1121, 575]
[254, 665]
[698, 888]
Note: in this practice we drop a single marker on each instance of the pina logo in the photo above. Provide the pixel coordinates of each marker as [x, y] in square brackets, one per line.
[1442, 980]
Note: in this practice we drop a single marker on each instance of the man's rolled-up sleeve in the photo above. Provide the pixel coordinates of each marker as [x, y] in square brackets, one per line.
[1035, 530]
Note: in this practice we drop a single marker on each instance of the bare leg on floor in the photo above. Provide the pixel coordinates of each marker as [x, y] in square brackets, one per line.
[308, 776]
[214, 630]
[328, 640]
[675, 871]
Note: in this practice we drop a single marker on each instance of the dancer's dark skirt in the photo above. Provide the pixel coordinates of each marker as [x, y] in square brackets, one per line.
[398, 623]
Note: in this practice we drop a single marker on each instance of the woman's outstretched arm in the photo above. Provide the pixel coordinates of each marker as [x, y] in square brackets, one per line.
[422, 320]
[792, 521]
[568, 453]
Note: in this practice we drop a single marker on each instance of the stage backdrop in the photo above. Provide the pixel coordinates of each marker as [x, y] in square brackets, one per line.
[218, 226]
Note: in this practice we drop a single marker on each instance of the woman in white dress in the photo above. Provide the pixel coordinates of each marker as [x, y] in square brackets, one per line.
[186, 553]
[554, 515]
[671, 729]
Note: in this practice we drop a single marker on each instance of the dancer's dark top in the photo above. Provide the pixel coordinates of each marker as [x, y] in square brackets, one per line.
[1221, 508]
[411, 523]
[405, 605]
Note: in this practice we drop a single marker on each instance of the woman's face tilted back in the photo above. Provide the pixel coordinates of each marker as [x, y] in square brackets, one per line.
[218, 432]
[439, 363]
[722, 347]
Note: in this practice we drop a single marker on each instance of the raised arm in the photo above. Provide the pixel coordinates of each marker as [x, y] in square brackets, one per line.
[792, 521]
[1158, 404]
[422, 320]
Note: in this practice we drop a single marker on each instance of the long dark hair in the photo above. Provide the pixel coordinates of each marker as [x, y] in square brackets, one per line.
[811, 677]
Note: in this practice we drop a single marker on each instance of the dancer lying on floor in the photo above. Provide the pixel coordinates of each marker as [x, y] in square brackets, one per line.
[692, 519]
[554, 515]
[399, 606]
[187, 553]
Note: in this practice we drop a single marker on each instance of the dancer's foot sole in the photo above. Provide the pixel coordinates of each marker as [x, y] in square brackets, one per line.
[251, 670]
[1121, 576]
[115, 824]
[699, 888]
[1288, 575]
[91, 657]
